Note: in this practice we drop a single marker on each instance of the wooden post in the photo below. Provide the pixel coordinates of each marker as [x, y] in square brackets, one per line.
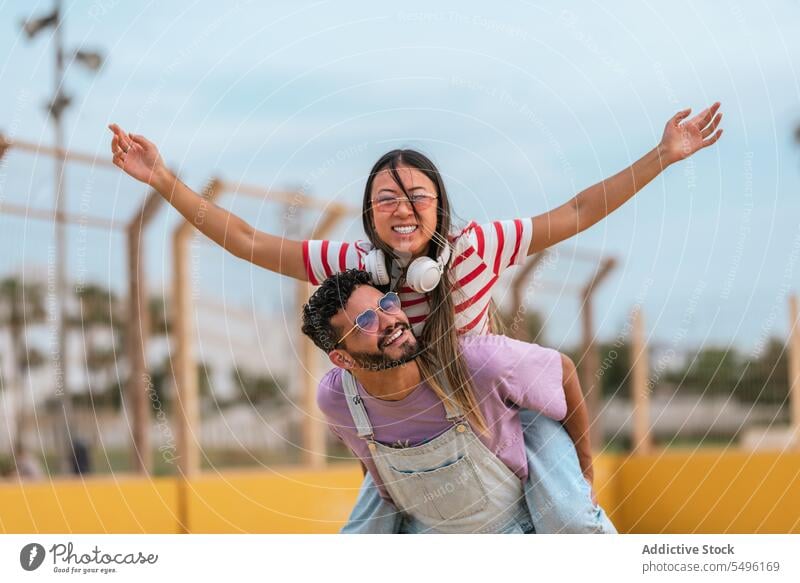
[4, 145]
[314, 427]
[515, 320]
[589, 363]
[640, 434]
[794, 369]
[138, 333]
[185, 364]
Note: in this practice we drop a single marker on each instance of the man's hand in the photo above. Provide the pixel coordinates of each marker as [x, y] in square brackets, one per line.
[681, 140]
[136, 155]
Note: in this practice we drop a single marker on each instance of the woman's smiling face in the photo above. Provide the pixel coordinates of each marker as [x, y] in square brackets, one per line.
[399, 227]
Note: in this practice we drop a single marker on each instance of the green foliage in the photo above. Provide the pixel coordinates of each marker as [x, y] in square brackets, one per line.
[721, 371]
[21, 304]
[766, 378]
[257, 388]
[97, 306]
[714, 370]
[615, 368]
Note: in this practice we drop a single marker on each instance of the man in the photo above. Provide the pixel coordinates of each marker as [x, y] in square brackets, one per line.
[415, 434]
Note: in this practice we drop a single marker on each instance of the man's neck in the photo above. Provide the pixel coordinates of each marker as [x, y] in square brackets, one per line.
[392, 384]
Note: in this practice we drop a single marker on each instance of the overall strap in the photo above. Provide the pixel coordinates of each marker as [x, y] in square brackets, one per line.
[453, 409]
[356, 405]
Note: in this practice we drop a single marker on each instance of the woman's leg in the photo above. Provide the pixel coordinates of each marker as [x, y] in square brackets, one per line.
[372, 514]
[558, 496]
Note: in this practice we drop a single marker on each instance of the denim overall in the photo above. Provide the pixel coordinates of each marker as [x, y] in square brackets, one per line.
[450, 484]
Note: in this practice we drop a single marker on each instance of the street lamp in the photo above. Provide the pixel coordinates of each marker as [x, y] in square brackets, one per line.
[92, 60]
[58, 103]
[35, 25]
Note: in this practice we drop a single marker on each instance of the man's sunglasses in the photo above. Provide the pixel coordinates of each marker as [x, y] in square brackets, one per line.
[367, 321]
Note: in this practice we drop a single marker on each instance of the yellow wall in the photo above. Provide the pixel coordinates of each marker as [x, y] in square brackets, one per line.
[677, 492]
[709, 491]
[285, 501]
[117, 504]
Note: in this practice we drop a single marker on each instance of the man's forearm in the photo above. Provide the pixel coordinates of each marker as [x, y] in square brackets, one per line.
[601, 199]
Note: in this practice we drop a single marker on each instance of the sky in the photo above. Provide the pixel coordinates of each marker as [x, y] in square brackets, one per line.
[520, 104]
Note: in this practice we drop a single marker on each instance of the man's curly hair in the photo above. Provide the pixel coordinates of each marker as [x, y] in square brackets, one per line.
[326, 301]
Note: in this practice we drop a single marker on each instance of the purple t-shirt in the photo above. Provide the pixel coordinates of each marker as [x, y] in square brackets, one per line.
[507, 375]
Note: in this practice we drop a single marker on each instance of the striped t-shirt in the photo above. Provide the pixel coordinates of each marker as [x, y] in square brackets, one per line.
[480, 255]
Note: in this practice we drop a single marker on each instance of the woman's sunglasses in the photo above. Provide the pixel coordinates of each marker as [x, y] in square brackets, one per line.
[388, 203]
[367, 321]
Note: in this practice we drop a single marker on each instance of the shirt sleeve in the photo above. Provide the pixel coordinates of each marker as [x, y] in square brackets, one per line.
[533, 377]
[502, 244]
[330, 402]
[337, 434]
[322, 258]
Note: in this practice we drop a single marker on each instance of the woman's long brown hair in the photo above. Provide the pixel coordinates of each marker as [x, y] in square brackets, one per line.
[439, 335]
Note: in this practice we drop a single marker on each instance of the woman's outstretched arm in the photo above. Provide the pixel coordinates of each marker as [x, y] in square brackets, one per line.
[139, 158]
[590, 206]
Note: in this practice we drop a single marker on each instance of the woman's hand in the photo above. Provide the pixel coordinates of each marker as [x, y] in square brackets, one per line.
[681, 140]
[137, 156]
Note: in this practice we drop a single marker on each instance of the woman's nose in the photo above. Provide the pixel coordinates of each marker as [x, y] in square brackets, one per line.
[404, 208]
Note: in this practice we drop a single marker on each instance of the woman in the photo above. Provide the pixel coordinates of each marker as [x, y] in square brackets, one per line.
[444, 277]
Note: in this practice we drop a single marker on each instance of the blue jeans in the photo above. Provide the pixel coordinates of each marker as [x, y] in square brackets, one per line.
[558, 497]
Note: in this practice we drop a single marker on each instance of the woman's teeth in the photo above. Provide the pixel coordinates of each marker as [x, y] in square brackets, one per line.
[393, 337]
[405, 229]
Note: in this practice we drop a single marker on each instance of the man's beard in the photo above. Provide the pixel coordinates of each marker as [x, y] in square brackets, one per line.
[381, 361]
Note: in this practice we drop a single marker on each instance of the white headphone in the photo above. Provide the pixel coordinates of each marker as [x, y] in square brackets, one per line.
[422, 275]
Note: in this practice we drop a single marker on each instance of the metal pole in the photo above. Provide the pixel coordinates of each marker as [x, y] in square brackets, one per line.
[62, 360]
[794, 369]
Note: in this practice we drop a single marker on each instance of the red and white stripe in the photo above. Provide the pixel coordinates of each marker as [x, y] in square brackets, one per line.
[481, 254]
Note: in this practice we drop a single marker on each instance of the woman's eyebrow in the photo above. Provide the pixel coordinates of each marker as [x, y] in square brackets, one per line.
[393, 191]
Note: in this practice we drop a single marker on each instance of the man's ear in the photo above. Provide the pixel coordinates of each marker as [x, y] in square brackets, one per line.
[341, 359]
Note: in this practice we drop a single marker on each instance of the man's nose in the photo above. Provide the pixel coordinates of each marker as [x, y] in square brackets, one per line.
[387, 321]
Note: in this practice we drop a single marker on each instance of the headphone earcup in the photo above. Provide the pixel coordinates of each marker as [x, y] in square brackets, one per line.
[423, 275]
[375, 265]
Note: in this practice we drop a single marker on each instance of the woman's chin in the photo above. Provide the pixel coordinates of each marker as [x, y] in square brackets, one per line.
[413, 244]
[404, 245]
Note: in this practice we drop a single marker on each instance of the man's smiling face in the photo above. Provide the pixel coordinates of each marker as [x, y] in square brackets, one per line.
[392, 344]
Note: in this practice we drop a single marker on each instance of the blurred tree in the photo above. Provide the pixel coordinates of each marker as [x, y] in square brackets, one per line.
[100, 325]
[714, 370]
[21, 305]
[709, 370]
[257, 389]
[766, 377]
[101, 316]
[160, 321]
[615, 369]
[723, 371]
[797, 134]
[162, 382]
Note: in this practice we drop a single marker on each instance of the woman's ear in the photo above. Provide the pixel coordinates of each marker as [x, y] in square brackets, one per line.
[341, 359]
